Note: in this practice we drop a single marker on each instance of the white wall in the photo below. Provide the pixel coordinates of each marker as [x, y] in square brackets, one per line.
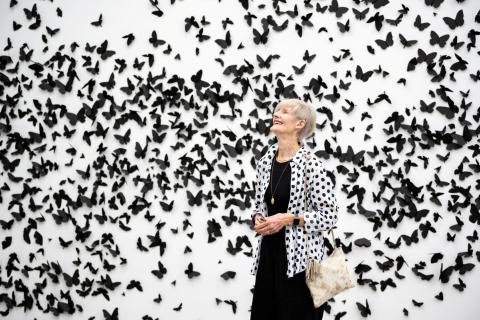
[198, 296]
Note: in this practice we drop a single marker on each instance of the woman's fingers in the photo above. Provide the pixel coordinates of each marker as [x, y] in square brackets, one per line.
[268, 225]
[262, 227]
[259, 219]
[257, 225]
[267, 228]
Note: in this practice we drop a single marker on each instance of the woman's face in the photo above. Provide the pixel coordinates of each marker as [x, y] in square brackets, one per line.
[284, 121]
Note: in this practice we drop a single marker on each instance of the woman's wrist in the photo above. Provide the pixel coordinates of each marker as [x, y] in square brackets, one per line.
[289, 218]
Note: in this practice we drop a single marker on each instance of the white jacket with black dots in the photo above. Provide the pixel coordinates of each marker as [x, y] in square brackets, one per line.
[320, 216]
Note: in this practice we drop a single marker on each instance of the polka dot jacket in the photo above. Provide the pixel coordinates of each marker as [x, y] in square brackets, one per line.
[319, 216]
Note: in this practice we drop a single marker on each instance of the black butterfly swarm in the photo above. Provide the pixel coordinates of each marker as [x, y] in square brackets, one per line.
[130, 133]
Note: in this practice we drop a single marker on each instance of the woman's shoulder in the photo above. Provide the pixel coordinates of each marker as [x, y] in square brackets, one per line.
[314, 161]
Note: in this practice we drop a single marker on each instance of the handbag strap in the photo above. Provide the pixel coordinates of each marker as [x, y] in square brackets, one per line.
[307, 157]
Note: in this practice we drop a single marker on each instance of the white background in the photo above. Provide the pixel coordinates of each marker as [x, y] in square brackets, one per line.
[211, 259]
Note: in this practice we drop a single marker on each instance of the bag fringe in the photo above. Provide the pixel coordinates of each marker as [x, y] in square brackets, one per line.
[313, 269]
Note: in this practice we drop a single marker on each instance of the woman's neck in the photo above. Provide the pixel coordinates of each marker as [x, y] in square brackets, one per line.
[287, 148]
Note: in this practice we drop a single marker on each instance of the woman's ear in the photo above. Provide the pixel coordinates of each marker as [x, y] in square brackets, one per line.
[302, 122]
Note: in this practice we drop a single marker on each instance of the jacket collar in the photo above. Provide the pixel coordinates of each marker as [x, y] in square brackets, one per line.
[296, 159]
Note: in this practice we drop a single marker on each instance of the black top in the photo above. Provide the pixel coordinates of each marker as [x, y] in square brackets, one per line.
[282, 192]
[276, 296]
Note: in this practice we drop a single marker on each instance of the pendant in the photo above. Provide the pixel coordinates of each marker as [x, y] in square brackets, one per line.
[272, 201]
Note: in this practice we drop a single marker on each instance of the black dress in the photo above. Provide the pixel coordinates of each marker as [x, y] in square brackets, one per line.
[275, 296]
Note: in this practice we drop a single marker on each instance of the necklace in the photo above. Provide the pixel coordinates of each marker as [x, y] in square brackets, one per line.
[272, 201]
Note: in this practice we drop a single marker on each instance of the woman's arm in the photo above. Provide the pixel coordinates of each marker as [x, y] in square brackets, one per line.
[324, 213]
[256, 209]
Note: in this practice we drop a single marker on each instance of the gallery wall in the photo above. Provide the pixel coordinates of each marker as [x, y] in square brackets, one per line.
[130, 130]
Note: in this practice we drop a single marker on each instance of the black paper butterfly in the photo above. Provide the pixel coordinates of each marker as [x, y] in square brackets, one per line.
[339, 11]
[190, 272]
[419, 25]
[360, 15]
[388, 42]
[436, 39]
[456, 22]
[260, 37]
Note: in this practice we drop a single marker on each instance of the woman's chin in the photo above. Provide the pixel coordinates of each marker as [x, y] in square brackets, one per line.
[275, 127]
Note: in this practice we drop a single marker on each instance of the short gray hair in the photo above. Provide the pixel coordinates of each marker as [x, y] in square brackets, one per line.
[303, 111]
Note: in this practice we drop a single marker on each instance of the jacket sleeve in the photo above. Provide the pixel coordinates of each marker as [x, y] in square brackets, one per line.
[321, 199]
[257, 197]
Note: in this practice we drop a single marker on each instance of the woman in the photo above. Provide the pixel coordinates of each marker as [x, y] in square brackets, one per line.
[280, 291]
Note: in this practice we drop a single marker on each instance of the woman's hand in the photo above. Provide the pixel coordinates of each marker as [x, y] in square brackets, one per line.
[259, 218]
[271, 224]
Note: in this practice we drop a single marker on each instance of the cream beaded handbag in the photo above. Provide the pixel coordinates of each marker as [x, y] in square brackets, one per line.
[330, 276]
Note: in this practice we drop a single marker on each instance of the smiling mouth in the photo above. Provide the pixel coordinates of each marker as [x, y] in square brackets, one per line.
[277, 122]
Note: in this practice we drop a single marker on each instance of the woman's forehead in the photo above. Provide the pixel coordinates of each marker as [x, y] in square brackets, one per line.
[283, 105]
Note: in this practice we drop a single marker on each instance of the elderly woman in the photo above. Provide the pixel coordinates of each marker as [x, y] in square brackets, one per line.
[280, 290]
